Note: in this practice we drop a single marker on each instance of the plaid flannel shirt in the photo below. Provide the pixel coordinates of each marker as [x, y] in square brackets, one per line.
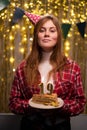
[69, 87]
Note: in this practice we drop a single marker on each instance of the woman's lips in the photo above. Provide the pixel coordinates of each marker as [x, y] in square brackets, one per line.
[46, 40]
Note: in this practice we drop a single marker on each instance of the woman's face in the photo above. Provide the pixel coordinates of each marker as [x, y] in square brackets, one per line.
[47, 36]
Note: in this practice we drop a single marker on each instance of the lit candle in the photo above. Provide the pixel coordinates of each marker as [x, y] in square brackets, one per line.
[50, 88]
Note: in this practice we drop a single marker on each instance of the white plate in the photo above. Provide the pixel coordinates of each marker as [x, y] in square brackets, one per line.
[42, 106]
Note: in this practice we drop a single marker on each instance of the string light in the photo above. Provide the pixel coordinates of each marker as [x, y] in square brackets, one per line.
[70, 13]
[11, 59]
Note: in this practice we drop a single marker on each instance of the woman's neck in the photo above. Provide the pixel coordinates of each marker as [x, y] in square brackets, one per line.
[46, 55]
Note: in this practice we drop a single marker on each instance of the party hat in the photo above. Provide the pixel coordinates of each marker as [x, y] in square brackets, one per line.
[19, 13]
[33, 17]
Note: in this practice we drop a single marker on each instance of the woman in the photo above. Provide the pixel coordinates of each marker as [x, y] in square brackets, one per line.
[46, 63]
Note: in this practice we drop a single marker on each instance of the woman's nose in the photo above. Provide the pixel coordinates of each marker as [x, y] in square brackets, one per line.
[46, 33]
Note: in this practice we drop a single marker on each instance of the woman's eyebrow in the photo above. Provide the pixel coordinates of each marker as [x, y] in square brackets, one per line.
[48, 27]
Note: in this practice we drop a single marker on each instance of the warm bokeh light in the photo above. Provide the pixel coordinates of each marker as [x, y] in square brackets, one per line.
[11, 59]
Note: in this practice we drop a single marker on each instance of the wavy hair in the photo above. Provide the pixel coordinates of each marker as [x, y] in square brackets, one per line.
[57, 59]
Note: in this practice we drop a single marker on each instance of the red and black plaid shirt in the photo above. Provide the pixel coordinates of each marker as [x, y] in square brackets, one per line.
[68, 87]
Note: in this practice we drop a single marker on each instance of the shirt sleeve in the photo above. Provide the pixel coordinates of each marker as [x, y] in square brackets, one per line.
[18, 103]
[76, 103]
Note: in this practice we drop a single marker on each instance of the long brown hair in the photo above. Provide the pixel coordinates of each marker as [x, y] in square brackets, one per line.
[57, 59]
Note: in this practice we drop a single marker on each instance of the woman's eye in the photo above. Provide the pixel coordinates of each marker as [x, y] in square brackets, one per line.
[41, 30]
[52, 30]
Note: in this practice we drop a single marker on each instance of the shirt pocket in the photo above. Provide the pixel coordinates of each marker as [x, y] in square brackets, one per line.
[65, 89]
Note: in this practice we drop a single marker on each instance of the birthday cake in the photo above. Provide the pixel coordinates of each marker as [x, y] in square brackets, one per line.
[46, 99]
